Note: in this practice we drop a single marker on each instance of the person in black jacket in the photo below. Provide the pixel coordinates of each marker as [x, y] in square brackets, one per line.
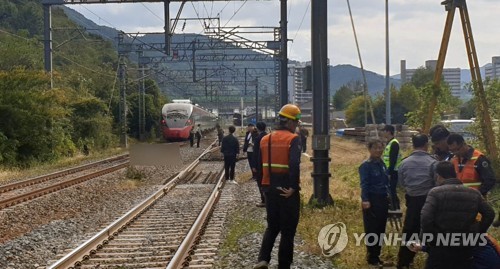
[257, 169]
[451, 209]
[230, 148]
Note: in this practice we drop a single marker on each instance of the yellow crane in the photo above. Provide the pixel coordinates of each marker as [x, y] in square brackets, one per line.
[482, 108]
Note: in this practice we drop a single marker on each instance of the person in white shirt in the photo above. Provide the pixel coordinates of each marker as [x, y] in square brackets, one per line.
[248, 145]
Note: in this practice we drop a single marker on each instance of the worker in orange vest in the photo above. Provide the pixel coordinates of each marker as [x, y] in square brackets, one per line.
[280, 162]
[471, 166]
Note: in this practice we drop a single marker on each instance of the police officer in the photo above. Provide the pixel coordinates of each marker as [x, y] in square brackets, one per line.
[471, 166]
[392, 159]
[280, 162]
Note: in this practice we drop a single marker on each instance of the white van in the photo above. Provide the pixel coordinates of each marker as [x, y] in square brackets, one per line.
[460, 126]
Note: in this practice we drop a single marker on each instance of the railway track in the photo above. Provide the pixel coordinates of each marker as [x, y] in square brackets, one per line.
[161, 231]
[21, 191]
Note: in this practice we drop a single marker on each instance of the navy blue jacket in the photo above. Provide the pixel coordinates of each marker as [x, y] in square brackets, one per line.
[373, 178]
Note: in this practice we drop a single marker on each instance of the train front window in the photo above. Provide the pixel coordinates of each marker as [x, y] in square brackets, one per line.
[176, 119]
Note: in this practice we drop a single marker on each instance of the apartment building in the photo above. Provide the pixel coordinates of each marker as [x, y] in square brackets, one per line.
[493, 71]
[297, 93]
[452, 76]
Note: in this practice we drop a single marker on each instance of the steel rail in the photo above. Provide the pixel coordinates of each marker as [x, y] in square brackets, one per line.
[40, 192]
[84, 251]
[181, 257]
[40, 179]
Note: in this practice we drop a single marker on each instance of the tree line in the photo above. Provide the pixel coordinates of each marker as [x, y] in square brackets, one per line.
[41, 124]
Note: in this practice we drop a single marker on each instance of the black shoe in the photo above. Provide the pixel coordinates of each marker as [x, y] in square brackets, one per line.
[380, 264]
[261, 205]
[261, 265]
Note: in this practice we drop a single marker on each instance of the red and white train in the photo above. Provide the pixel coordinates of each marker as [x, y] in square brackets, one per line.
[180, 116]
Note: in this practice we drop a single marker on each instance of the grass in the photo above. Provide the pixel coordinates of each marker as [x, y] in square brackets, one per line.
[241, 225]
[14, 173]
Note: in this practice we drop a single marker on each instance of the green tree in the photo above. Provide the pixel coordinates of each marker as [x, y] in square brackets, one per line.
[92, 126]
[18, 51]
[492, 91]
[468, 110]
[34, 121]
[154, 102]
[422, 80]
[422, 77]
[342, 97]
[355, 112]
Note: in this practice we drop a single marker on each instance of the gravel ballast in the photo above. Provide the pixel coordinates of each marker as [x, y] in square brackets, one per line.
[37, 233]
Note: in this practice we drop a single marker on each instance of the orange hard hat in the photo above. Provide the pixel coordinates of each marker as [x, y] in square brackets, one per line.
[290, 111]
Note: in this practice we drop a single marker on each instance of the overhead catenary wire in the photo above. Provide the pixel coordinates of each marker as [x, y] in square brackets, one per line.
[300, 26]
[236, 12]
[154, 14]
[365, 85]
[37, 42]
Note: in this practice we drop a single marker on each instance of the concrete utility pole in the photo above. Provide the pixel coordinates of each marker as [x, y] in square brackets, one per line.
[47, 40]
[122, 74]
[142, 105]
[321, 136]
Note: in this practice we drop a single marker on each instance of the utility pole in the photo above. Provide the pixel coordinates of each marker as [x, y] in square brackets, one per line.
[387, 86]
[168, 34]
[47, 40]
[142, 106]
[122, 73]
[284, 54]
[256, 99]
[321, 136]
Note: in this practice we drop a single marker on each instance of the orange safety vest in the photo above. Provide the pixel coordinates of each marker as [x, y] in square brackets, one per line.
[494, 242]
[279, 141]
[468, 174]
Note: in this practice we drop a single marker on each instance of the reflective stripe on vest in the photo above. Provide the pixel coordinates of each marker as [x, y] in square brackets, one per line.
[280, 154]
[468, 173]
[387, 152]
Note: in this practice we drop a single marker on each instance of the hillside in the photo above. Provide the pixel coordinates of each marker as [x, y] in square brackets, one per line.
[345, 73]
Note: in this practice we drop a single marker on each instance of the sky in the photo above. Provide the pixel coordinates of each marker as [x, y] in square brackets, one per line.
[415, 27]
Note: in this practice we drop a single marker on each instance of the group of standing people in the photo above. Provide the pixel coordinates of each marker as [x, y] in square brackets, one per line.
[274, 159]
[445, 193]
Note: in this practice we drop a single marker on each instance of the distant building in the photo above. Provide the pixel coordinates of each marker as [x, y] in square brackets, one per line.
[307, 112]
[452, 76]
[297, 94]
[493, 71]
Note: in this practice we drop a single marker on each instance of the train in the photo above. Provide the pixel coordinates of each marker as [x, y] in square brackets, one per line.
[180, 116]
